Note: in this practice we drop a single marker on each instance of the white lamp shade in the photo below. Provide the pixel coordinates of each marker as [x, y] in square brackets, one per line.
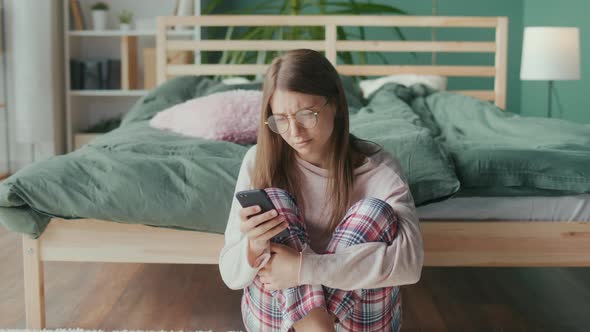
[550, 53]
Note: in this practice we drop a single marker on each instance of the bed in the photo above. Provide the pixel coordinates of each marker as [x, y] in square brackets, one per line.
[463, 241]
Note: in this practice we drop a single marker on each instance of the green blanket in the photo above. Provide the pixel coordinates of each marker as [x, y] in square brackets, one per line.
[501, 153]
[137, 174]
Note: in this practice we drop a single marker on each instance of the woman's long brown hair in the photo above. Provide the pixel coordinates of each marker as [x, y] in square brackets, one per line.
[309, 72]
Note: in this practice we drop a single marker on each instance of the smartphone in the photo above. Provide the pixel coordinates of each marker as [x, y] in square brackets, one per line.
[259, 197]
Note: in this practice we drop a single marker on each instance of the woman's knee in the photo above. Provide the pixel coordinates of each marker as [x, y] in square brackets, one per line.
[285, 204]
[369, 220]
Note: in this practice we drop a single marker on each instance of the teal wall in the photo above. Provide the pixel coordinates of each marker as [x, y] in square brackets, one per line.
[571, 100]
[513, 9]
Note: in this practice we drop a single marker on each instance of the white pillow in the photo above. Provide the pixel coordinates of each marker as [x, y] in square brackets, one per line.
[433, 81]
[235, 80]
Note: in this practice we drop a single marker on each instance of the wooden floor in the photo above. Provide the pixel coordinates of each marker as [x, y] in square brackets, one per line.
[184, 297]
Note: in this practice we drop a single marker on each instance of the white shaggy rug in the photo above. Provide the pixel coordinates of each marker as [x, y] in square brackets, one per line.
[82, 330]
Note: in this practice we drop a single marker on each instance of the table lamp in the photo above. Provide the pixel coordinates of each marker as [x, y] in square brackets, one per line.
[549, 54]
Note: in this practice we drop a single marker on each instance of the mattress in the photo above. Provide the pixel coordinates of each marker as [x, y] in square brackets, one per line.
[522, 208]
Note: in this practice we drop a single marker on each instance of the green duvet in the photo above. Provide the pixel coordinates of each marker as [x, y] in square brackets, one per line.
[136, 174]
[443, 141]
[497, 152]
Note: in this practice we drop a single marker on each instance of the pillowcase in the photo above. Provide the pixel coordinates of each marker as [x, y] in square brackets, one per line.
[434, 81]
[227, 116]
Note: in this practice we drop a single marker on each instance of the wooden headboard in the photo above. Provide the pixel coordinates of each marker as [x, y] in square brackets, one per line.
[331, 45]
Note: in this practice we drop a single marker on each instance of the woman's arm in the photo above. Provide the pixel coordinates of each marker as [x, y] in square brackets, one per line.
[235, 269]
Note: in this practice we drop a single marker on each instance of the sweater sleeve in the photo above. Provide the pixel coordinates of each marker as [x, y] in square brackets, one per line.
[235, 270]
[373, 265]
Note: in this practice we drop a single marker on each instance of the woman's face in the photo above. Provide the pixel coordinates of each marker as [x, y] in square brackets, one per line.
[310, 144]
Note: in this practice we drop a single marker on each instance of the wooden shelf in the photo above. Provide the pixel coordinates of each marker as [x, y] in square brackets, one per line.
[122, 33]
[107, 93]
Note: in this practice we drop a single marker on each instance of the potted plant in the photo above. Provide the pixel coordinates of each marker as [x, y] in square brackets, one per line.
[99, 15]
[125, 20]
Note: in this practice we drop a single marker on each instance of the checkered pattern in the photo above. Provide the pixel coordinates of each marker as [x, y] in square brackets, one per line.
[379, 309]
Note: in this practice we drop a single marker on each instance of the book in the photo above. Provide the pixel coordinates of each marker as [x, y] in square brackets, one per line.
[92, 74]
[76, 14]
[113, 74]
[76, 74]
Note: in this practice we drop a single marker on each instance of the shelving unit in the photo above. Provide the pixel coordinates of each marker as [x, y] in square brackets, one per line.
[85, 108]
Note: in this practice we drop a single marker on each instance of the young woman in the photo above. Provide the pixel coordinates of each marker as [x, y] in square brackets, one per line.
[353, 233]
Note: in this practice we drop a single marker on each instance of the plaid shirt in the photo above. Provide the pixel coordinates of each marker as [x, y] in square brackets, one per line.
[379, 309]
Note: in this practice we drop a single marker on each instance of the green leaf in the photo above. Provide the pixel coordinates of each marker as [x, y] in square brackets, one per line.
[225, 55]
[211, 6]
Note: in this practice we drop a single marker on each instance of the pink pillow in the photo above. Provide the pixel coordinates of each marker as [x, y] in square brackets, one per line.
[229, 116]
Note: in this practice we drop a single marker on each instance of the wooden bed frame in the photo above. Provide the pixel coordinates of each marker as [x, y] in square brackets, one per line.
[447, 243]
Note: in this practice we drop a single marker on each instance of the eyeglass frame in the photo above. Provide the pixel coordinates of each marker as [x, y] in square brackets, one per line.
[314, 112]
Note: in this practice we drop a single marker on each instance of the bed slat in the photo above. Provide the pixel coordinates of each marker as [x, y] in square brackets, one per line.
[341, 20]
[89, 240]
[380, 70]
[506, 243]
[446, 243]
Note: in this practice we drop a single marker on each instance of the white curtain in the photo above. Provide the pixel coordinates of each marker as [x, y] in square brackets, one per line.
[4, 158]
[37, 66]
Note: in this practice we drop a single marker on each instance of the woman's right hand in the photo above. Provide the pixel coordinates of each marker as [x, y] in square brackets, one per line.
[261, 228]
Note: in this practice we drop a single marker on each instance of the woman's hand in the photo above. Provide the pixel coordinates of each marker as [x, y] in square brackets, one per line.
[260, 229]
[282, 270]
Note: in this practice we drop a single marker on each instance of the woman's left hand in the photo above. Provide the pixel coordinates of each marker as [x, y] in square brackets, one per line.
[282, 270]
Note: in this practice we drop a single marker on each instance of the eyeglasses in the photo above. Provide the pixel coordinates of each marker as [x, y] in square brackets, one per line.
[306, 118]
